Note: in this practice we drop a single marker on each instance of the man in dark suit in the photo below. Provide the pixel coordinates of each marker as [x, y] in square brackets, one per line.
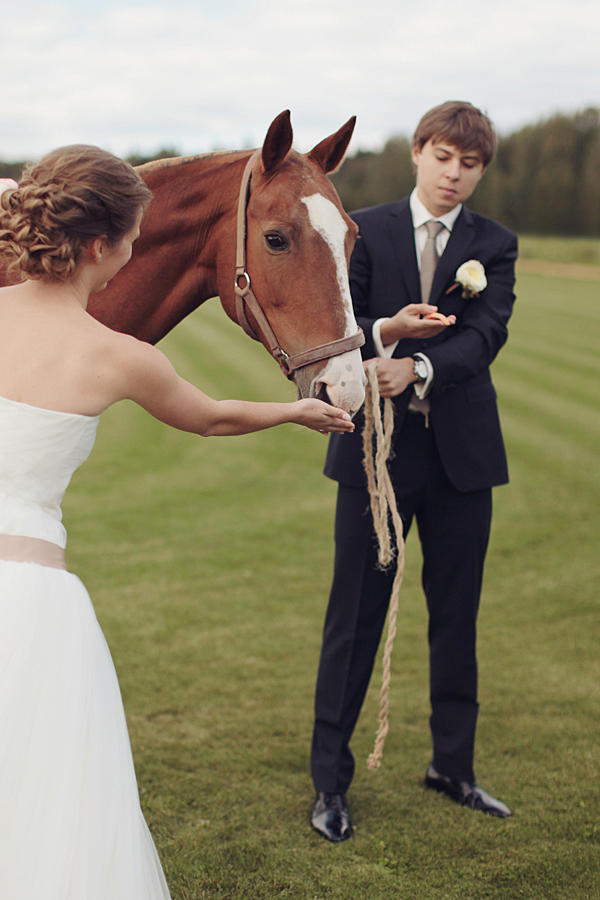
[447, 455]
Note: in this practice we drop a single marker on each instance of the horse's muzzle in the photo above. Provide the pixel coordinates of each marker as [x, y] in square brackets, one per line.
[341, 383]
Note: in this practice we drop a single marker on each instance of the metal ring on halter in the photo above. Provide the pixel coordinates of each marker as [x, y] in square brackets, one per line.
[245, 275]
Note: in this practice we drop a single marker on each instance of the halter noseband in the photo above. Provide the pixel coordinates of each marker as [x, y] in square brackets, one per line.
[245, 295]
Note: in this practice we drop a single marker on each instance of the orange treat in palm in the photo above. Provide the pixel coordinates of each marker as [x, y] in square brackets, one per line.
[439, 316]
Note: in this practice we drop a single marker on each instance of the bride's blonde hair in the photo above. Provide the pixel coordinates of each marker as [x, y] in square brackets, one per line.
[69, 197]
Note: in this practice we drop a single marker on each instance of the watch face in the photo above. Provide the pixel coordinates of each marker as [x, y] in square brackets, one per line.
[420, 370]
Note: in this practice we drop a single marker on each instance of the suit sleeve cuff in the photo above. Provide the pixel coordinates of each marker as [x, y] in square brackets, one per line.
[388, 350]
[424, 388]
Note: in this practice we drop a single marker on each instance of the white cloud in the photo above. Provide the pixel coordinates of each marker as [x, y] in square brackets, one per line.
[135, 75]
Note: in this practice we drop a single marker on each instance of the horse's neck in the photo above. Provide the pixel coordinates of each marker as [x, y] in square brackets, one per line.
[173, 268]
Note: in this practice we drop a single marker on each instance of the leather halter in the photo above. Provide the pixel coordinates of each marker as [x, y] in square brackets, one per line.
[245, 295]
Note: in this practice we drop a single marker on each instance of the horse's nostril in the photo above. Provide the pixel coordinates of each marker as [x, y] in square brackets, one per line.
[322, 393]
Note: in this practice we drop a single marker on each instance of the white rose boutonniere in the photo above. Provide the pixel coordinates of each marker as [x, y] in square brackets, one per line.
[471, 276]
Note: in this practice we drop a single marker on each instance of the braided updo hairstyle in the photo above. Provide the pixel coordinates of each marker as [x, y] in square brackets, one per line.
[69, 197]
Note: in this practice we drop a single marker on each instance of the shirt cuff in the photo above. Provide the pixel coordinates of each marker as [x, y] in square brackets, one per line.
[388, 350]
[423, 388]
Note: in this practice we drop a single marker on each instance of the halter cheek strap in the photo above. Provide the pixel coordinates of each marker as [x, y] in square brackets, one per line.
[244, 296]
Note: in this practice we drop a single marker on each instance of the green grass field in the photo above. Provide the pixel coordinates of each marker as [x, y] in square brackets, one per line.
[581, 250]
[209, 564]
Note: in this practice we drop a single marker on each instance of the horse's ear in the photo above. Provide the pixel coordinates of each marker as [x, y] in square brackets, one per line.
[277, 142]
[330, 152]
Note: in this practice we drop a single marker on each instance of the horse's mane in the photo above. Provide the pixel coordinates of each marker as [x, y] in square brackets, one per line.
[173, 161]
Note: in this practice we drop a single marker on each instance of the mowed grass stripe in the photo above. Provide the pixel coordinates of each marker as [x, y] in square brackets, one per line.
[557, 429]
[212, 348]
[564, 313]
[557, 345]
[556, 377]
[549, 395]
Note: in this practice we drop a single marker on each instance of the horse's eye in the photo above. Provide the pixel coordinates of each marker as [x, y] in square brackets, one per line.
[276, 241]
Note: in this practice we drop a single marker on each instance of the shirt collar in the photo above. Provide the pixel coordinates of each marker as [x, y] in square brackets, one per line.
[420, 213]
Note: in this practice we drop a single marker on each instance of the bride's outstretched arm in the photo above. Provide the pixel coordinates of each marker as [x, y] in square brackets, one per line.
[148, 378]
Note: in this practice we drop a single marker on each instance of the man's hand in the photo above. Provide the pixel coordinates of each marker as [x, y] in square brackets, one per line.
[393, 375]
[407, 323]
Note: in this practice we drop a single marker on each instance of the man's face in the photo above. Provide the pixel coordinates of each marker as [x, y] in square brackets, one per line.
[446, 176]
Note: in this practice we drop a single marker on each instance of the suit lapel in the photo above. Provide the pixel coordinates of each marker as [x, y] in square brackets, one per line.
[454, 255]
[402, 234]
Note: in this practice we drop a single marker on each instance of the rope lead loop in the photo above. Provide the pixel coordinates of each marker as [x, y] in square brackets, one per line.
[383, 507]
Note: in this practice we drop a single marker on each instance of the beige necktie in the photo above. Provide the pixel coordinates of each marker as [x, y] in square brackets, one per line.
[429, 259]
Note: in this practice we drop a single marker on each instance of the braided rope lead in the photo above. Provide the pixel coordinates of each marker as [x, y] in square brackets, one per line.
[383, 505]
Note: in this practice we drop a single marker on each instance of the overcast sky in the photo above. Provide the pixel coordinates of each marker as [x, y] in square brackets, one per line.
[197, 75]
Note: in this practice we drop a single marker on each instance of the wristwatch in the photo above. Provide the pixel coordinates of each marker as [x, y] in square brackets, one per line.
[420, 369]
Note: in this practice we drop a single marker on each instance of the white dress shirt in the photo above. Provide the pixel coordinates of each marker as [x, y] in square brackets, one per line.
[420, 216]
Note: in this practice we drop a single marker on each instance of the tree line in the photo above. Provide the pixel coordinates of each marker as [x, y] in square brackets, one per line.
[545, 178]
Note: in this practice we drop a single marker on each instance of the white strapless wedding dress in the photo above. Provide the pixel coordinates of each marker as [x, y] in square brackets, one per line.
[71, 827]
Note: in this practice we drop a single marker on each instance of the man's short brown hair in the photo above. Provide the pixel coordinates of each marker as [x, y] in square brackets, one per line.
[460, 124]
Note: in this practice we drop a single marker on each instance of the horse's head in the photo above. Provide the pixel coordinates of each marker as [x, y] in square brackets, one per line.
[299, 241]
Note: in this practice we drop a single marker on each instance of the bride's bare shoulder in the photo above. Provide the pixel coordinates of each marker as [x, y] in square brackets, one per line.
[124, 359]
[118, 344]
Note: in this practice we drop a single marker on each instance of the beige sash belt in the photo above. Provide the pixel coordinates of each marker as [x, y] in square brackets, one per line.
[16, 548]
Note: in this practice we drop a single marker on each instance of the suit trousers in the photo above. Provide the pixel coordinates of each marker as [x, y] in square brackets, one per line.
[454, 531]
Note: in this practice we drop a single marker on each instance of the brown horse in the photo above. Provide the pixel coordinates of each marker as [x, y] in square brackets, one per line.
[298, 243]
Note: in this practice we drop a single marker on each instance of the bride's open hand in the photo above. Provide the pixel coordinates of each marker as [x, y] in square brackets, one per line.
[321, 417]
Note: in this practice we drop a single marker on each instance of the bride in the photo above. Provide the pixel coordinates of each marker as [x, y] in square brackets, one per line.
[71, 827]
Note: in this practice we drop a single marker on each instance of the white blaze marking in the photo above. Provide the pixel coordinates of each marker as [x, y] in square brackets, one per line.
[327, 221]
[343, 375]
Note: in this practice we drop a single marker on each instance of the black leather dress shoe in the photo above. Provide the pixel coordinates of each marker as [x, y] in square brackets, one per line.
[466, 794]
[330, 817]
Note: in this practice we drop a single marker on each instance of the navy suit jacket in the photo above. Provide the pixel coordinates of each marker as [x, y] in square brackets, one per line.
[384, 277]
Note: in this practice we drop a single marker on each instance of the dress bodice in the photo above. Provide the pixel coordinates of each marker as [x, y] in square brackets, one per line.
[39, 451]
